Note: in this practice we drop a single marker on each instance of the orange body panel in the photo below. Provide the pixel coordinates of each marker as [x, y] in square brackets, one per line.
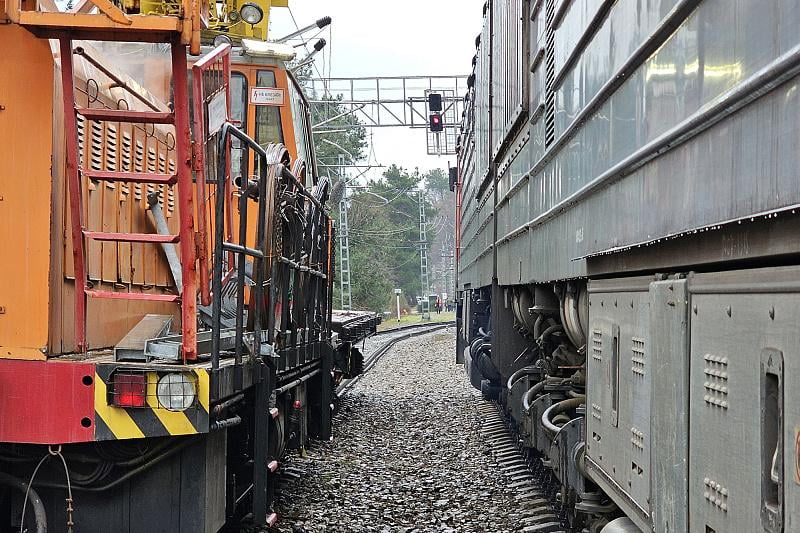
[25, 192]
[36, 272]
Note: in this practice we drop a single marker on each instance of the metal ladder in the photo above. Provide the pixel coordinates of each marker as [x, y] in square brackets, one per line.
[179, 118]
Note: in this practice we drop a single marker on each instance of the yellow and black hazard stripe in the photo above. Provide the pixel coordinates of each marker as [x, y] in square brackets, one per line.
[116, 423]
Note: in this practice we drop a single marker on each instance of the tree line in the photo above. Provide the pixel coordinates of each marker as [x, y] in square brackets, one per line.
[383, 214]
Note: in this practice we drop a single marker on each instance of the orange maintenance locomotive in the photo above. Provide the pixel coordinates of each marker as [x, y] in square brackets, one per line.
[165, 285]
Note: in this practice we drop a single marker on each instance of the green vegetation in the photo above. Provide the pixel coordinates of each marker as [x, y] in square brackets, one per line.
[383, 214]
[391, 322]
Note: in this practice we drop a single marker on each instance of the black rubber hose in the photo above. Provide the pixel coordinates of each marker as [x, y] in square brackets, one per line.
[537, 326]
[549, 331]
[36, 502]
[144, 457]
[110, 485]
[558, 408]
[474, 345]
[487, 367]
[518, 375]
[536, 389]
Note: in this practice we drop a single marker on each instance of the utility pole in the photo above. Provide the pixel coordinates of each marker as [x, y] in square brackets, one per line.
[423, 257]
[344, 244]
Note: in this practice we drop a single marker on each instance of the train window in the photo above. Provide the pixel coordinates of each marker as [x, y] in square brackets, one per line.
[299, 119]
[268, 118]
[239, 116]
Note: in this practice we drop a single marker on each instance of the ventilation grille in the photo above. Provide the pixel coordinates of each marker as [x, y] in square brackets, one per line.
[139, 157]
[638, 356]
[96, 157]
[171, 191]
[151, 166]
[151, 160]
[111, 148]
[127, 145]
[138, 166]
[81, 124]
[126, 161]
[597, 345]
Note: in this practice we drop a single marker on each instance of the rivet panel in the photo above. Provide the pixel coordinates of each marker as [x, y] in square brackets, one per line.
[716, 382]
[597, 345]
[638, 358]
[637, 438]
[716, 494]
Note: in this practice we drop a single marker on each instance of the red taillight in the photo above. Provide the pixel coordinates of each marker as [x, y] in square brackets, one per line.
[297, 404]
[129, 390]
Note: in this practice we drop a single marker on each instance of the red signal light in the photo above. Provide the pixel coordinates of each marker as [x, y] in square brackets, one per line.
[436, 122]
[129, 390]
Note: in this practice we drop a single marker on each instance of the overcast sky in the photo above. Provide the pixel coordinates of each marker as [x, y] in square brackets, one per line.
[386, 38]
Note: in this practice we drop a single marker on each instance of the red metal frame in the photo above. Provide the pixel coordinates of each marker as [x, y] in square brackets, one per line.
[183, 147]
[218, 61]
[183, 178]
[75, 194]
[137, 177]
[123, 115]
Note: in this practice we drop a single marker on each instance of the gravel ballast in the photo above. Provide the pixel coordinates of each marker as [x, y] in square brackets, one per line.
[406, 454]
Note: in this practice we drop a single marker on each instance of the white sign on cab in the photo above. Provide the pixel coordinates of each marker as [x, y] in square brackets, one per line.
[217, 112]
[266, 96]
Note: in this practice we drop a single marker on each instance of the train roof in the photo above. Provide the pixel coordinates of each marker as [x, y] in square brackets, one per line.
[260, 53]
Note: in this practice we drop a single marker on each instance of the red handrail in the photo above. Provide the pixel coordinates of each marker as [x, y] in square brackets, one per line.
[211, 76]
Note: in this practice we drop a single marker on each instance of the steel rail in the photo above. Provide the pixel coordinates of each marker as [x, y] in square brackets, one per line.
[374, 357]
[413, 326]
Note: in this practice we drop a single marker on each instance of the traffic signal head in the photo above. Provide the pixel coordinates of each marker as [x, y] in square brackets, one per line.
[435, 101]
[436, 122]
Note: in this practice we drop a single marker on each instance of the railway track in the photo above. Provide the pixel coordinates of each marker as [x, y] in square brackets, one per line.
[398, 458]
[389, 338]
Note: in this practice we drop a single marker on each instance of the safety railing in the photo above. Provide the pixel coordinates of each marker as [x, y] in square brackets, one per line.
[239, 251]
[288, 308]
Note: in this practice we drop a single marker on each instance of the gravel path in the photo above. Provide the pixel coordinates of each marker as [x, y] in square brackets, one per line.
[406, 454]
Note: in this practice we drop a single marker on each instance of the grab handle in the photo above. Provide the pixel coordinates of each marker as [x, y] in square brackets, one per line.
[772, 440]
